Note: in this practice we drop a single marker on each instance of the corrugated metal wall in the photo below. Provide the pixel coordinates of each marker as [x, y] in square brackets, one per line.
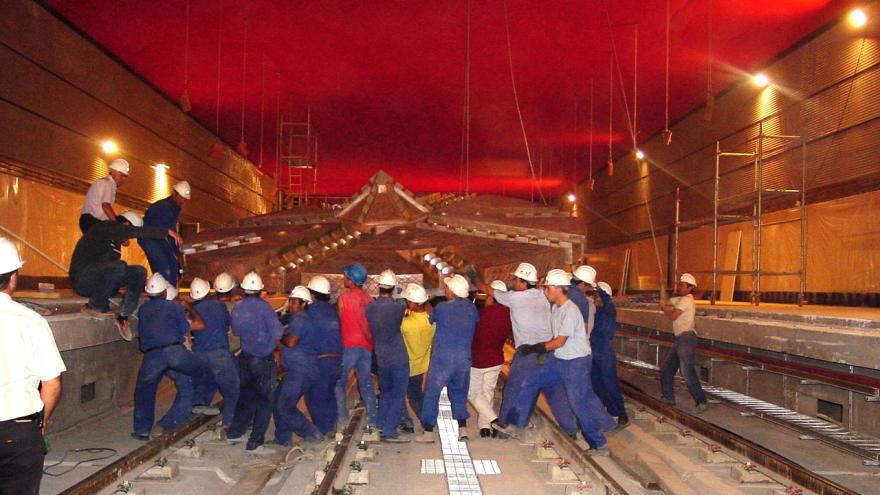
[60, 96]
[827, 89]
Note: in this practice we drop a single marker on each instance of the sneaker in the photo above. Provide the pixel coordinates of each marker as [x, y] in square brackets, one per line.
[138, 436]
[602, 451]
[702, 407]
[93, 312]
[426, 437]
[123, 328]
[261, 450]
[206, 410]
[509, 430]
[234, 441]
[485, 432]
[397, 439]
[463, 433]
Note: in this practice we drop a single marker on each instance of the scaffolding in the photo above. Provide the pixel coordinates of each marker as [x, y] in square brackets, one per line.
[298, 154]
[749, 206]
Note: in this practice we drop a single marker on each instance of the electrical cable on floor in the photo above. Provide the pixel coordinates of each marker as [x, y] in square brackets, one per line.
[88, 450]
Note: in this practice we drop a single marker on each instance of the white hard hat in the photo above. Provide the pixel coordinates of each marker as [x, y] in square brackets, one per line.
[527, 272]
[415, 293]
[133, 218]
[387, 279]
[10, 260]
[585, 273]
[458, 285]
[171, 293]
[252, 282]
[199, 288]
[605, 288]
[183, 189]
[120, 165]
[557, 277]
[224, 283]
[498, 285]
[156, 284]
[319, 284]
[688, 279]
[300, 292]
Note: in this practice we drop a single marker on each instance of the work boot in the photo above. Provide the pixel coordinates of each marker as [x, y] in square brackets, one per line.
[508, 430]
[206, 410]
[396, 439]
[623, 420]
[406, 429]
[261, 450]
[123, 328]
[485, 432]
[138, 436]
[463, 433]
[426, 437]
[602, 451]
[702, 407]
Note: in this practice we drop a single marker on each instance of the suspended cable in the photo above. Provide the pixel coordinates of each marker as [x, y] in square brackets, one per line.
[710, 96]
[242, 146]
[185, 103]
[610, 115]
[667, 134]
[522, 124]
[262, 102]
[616, 63]
[278, 127]
[219, 54]
[635, 84]
[592, 182]
[576, 129]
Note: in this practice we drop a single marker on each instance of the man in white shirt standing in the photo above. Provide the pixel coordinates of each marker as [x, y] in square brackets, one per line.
[30, 383]
[101, 195]
[681, 310]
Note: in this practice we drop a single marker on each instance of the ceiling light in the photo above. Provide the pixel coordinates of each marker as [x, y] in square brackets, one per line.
[640, 155]
[760, 80]
[857, 18]
[429, 257]
[572, 198]
[109, 147]
[161, 166]
[434, 261]
[447, 271]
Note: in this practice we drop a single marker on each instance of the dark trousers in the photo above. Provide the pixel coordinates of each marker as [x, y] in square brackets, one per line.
[392, 394]
[297, 382]
[415, 396]
[456, 377]
[99, 281]
[21, 458]
[86, 221]
[257, 375]
[603, 375]
[162, 258]
[219, 369]
[321, 401]
[521, 368]
[682, 356]
[180, 365]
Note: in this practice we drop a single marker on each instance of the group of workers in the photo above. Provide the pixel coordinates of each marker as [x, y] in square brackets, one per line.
[562, 330]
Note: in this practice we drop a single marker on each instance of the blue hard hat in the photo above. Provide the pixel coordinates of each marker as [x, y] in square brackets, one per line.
[356, 273]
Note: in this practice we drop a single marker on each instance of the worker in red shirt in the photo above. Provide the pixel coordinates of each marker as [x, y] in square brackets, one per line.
[493, 330]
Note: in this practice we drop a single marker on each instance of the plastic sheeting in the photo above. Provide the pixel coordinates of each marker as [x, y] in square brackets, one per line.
[843, 250]
[48, 218]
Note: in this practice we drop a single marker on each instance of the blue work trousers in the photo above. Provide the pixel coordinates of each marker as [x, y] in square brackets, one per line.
[682, 356]
[521, 368]
[416, 398]
[289, 419]
[99, 281]
[219, 369]
[162, 258]
[456, 377]
[321, 400]
[589, 410]
[360, 359]
[154, 365]
[392, 392]
[254, 407]
[603, 376]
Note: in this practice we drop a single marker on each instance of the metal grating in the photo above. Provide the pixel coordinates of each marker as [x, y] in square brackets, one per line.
[461, 475]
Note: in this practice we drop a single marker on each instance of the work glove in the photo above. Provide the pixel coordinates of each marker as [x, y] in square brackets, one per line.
[524, 350]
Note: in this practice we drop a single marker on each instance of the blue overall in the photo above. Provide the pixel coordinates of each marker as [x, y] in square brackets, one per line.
[161, 327]
[604, 371]
[220, 369]
[450, 364]
[521, 368]
[162, 254]
[384, 316]
[254, 321]
[300, 364]
[321, 400]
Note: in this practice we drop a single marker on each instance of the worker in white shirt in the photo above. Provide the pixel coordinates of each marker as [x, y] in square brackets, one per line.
[102, 194]
[30, 383]
[681, 310]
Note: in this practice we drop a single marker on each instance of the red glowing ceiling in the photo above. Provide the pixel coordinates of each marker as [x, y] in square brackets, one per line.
[385, 80]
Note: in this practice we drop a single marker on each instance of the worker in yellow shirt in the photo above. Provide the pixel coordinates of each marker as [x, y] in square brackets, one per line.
[418, 333]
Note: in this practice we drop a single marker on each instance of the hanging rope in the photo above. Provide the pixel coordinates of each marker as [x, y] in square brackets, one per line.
[185, 103]
[635, 84]
[464, 173]
[610, 115]
[219, 54]
[616, 63]
[522, 124]
[262, 102]
[241, 145]
[667, 134]
[710, 97]
[592, 182]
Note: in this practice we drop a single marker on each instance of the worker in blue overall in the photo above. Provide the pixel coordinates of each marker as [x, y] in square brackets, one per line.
[162, 327]
[568, 362]
[299, 358]
[581, 291]
[530, 318]
[384, 316]
[164, 255]
[321, 400]
[255, 322]
[211, 346]
[604, 371]
[456, 320]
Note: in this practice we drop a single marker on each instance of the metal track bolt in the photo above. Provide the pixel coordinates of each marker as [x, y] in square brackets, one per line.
[564, 464]
[548, 444]
[355, 466]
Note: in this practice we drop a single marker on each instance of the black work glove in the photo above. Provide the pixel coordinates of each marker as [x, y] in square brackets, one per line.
[524, 349]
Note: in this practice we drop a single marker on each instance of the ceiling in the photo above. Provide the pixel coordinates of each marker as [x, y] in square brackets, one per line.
[384, 81]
